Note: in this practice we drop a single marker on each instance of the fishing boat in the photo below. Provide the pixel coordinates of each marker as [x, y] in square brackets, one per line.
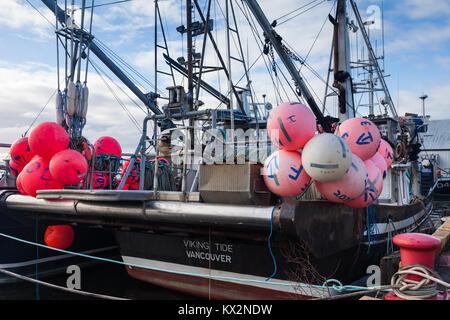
[216, 230]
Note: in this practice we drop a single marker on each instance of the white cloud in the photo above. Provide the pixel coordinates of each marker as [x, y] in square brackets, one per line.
[19, 15]
[29, 87]
[443, 61]
[417, 9]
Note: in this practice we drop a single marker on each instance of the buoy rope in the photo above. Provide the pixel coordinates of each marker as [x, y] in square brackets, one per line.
[338, 288]
[270, 249]
[409, 289]
[38, 282]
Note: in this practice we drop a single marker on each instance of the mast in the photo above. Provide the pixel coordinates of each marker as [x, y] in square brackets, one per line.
[342, 76]
[373, 59]
[275, 39]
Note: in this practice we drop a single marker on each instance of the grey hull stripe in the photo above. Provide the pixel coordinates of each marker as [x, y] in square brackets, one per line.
[324, 166]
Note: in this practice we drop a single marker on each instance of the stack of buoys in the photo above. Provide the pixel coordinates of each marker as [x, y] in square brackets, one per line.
[47, 163]
[347, 167]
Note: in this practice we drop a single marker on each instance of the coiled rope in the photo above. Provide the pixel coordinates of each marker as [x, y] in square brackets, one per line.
[425, 288]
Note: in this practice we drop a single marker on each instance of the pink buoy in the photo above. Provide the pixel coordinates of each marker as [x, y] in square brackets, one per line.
[362, 135]
[20, 152]
[373, 188]
[386, 152]
[349, 187]
[68, 167]
[380, 163]
[36, 176]
[291, 125]
[15, 167]
[284, 175]
[47, 139]
[107, 146]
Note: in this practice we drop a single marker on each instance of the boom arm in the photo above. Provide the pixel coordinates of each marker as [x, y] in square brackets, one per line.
[62, 17]
[276, 42]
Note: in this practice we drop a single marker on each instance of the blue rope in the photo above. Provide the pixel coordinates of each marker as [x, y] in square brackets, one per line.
[339, 288]
[372, 229]
[270, 249]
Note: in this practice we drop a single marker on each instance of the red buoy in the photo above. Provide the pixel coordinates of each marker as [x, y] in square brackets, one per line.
[107, 146]
[47, 139]
[68, 167]
[60, 237]
[19, 184]
[36, 176]
[20, 152]
[100, 181]
[133, 176]
[16, 168]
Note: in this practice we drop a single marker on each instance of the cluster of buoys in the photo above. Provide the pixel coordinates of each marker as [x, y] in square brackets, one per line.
[42, 160]
[347, 167]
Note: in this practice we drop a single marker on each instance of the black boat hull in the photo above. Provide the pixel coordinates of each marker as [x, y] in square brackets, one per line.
[34, 261]
[230, 267]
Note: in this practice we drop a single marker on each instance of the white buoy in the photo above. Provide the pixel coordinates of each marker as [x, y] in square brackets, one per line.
[326, 157]
[71, 97]
[84, 101]
[59, 109]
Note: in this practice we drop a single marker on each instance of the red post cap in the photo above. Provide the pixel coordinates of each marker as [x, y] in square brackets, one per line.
[418, 241]
[417, 248]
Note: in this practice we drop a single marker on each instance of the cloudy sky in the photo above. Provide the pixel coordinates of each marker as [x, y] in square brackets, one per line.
[416, 38]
